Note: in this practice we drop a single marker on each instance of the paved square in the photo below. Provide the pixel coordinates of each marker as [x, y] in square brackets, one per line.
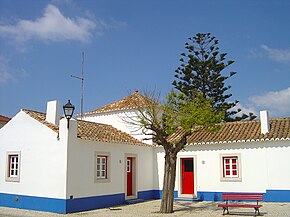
[151, 208]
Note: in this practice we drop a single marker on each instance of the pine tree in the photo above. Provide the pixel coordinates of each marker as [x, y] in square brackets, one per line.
[200, 72]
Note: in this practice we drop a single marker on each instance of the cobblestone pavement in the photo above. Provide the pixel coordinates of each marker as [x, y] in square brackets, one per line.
[151, 208]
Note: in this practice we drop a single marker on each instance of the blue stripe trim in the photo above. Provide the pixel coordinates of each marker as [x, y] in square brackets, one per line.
[96, 202]
[209, 196]
[33, 203]
[277, 196]
[159, 194]
[89, 203]
[148, 195]
[63, 206]
[269, 196]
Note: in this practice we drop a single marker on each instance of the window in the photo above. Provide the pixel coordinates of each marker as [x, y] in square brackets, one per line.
[13, 167]
[128, 166]
[188, 165]
[230, 167]
[102, 167]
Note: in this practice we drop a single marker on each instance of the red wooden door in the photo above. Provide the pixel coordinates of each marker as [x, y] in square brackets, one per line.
[129, 176]
[187, 176]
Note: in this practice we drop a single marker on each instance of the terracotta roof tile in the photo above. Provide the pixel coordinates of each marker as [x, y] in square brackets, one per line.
[129, 102]
[91, 131]
[104, 133]
[241, 131]
[228, 132]
[4, 118]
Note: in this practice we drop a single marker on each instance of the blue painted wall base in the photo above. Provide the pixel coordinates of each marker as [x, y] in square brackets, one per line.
[33, 203]
[97, 202]
[64, 206]
[269, 196]
[277, 196]
[89, 203]
[159, 194]
[209, 196]
[149, 195]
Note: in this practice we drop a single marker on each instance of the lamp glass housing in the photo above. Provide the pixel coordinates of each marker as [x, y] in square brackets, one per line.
[68, 110]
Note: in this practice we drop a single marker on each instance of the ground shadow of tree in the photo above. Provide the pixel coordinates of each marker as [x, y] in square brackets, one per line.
[194, 206]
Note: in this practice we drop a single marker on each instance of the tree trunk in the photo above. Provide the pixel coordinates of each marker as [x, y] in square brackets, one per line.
[168, 182]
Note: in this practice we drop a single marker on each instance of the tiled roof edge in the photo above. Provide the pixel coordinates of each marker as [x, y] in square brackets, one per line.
[116, 142]
[239, 141]
[55, 128]
[4, 118]
[136, 142]
[107, 111]
[234, 141]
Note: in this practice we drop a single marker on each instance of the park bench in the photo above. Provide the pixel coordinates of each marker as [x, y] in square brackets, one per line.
[234, 200]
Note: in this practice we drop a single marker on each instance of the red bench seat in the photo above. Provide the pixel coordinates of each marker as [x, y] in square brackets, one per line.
[233, 200]
[240, 205]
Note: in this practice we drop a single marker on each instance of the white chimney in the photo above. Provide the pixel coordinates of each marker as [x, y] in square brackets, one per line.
[264, 118]
[53, 112]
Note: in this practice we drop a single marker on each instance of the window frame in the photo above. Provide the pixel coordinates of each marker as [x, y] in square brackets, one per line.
[13, 167]
[102, 169]
[102, 164]
[231, 177]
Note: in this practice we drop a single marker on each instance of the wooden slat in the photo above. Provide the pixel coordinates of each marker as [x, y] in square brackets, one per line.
[239, 205]
[242, 196]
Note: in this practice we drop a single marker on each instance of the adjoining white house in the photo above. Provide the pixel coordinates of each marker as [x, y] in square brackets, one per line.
[46, 166]
[237, 158]
[119, 114]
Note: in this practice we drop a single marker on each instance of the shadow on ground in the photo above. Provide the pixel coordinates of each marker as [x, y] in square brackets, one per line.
[210, 207]
[198, 206]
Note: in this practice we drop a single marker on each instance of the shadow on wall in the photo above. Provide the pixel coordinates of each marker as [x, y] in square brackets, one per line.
[156, 172]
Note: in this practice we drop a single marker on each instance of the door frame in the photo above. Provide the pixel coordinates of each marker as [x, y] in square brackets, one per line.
[179, 175]
[134, 176]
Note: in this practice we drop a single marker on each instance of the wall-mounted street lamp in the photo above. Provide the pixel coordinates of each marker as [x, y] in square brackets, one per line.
[68, 110]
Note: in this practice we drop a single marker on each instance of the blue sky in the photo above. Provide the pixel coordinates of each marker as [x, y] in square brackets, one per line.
[137, 44]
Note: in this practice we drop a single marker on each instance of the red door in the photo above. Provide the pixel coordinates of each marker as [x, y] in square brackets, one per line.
[187, 175]
[129, 176]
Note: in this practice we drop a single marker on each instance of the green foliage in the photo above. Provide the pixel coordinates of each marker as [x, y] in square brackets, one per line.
[200, 72]
[180, 111]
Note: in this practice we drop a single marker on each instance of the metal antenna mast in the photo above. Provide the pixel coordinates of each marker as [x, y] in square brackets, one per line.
[82, 87]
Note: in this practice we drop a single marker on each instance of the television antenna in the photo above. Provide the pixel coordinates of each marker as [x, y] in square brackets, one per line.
[82, 78]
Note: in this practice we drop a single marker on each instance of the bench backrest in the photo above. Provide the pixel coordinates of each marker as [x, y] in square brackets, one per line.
[242, 196]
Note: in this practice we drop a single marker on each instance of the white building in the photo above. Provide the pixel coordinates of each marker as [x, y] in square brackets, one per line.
[49, 167]
[46, 166]
[238, 158]
[120, 114]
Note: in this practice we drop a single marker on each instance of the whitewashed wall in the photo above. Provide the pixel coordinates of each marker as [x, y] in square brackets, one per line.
[43, 158]
[278, 166]
[264, 165]
[118, 120]
[81, 167]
